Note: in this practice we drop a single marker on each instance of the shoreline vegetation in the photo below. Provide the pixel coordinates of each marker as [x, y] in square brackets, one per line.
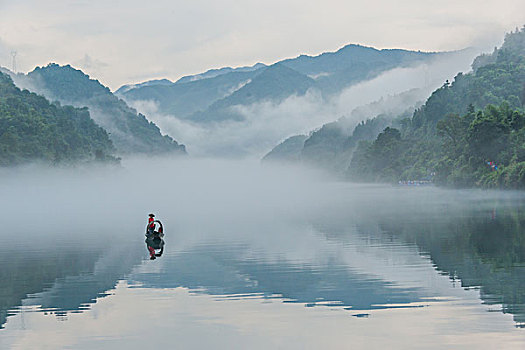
[85, 124]
[469, 133]
[32, 129]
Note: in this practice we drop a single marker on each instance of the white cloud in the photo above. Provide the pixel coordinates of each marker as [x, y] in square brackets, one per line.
[169, 39]
[5, 55]
[90, 63]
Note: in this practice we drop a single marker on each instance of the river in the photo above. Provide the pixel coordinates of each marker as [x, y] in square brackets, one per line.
[255, 257]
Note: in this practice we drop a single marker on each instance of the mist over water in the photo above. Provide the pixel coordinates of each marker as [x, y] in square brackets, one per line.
[217, 200]
[252, 240]
[250, 254]
[108, 201]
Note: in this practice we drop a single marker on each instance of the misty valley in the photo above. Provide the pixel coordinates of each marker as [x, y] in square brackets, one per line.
[358, 198]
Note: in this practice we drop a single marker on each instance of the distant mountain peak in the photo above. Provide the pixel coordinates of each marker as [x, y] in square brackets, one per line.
[273, 83]
[130, 131]
[212, 73]
[219, 95]
[69, 77]
[280, 68]
[125, 88]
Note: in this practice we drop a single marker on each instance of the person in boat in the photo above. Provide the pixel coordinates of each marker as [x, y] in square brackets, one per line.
[151, 224]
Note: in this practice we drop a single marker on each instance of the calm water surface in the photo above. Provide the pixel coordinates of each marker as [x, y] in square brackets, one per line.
[256, 258]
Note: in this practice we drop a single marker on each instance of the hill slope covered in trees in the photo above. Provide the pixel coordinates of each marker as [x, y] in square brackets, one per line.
[331, 146]
[33, 129]
[130, 131]
[470, 132]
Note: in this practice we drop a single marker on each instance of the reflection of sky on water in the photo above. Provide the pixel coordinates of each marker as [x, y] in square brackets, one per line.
[222, 271]
[78, 292]
[175, 318]
[234, 294]
[361, 266]
[401, 257]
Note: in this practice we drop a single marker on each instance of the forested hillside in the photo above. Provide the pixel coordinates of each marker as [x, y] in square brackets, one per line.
[130, 131]
[470, 132]
[331, 146]
[33, 129]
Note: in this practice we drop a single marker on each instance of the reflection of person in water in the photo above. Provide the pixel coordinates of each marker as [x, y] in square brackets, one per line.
[155, 242]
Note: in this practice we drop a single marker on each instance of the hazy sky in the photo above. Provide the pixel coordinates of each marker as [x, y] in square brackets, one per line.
[124, 41]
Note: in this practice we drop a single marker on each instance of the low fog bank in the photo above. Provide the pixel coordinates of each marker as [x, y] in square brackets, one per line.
[268, 123]
[116, 200]
[230, 211]
[212, 198]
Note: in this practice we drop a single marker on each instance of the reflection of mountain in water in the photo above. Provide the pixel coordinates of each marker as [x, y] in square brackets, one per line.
[25, 274]
[482, 252]
[481, 245]
[74, 292]
[224, 271]
[63, 279]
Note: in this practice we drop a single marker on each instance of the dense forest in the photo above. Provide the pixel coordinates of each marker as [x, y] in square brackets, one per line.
[331, 146]
[33, 129]
[129, 131]
[470, 132]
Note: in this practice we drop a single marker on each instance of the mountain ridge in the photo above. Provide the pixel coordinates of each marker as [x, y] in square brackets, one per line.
[130, 131]
[274, 83]
[330, 73]
[32, 129]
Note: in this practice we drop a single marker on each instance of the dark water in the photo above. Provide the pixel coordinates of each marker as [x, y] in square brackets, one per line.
[307, 265]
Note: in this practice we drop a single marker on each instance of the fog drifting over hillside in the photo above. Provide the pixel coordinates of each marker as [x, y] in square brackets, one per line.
[267, 123]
